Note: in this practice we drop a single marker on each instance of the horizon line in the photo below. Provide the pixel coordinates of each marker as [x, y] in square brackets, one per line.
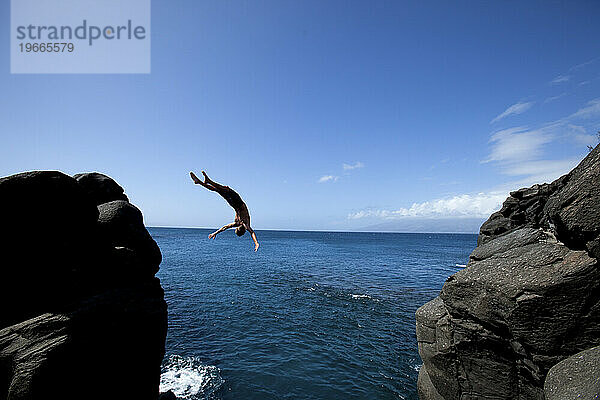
[320, 230]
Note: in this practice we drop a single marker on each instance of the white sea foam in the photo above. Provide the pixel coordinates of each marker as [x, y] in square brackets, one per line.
[188, 378]
[415, 363]
[360, 296]
[461, 265]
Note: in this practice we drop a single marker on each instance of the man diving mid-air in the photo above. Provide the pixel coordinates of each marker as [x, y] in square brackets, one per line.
[242, 216]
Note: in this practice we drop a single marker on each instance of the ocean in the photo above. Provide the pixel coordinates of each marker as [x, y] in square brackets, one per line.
[311, 315]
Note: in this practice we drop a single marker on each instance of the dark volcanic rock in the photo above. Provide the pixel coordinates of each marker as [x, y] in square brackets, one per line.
[167, 396]
[529, 297]
[574, 211]
[524, 207]
[83, 316]
[100, 187]
[577, 377]
[47, 225]
[123, 224]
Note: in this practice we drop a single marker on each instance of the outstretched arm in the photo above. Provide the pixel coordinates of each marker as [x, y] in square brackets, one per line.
[228, 226]
[253, 236]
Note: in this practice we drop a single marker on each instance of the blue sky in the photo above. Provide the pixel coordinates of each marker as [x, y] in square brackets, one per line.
[323, 114]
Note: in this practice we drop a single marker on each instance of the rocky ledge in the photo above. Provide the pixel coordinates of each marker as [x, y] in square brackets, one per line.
[83, 316]
[528, 299]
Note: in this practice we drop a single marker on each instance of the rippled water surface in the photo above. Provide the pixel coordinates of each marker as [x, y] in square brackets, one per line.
[311, 315]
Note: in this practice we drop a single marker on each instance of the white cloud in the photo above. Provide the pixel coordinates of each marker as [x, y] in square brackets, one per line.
[356, 165]
[519, 151]
[515, 109]
[517, 144]
[328, 178]
[584, 64]
[586, 140]
[346, 167]
[524, 152]
[552, 98]
[561, 79]
[540, 171]
[465, 205]
[591, 110]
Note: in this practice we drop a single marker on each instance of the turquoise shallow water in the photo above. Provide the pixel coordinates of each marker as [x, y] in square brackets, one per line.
[312, 315]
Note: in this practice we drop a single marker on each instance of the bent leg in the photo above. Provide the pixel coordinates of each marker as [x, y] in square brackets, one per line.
[228, 226]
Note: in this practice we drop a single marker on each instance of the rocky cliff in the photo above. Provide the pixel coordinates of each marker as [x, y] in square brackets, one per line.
[83, 316]
[528, 299]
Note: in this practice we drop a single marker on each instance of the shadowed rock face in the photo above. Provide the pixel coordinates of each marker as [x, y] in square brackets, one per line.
[83, 315]
[100, 188]
[575, 378]
[529, 297]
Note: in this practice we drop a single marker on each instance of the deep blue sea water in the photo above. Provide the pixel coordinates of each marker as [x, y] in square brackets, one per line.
[311, 315]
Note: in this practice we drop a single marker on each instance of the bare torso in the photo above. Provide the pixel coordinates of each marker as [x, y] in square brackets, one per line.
[235, 201]
[242, 215]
